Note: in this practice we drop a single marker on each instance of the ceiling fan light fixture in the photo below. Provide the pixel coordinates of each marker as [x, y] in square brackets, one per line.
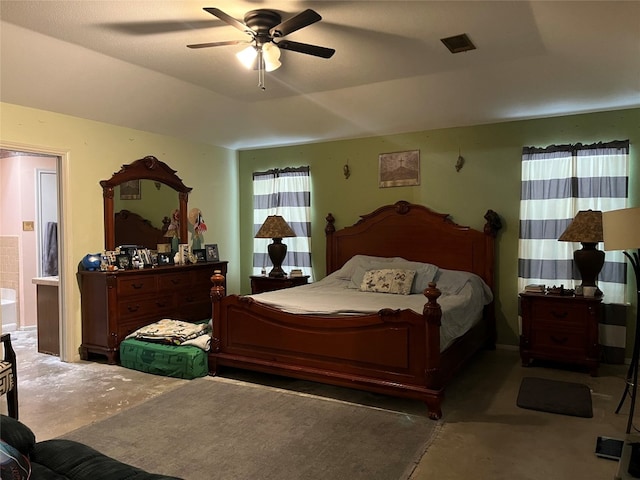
[248, 56]
[271, 55]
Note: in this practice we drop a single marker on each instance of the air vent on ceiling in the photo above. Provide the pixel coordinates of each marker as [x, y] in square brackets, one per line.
[458, 43]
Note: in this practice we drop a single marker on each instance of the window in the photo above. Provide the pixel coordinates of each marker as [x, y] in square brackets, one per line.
[284, 192]
[557, 182]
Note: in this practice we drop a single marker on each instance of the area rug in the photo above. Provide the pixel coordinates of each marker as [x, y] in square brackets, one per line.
[216, 428]
[554, 396]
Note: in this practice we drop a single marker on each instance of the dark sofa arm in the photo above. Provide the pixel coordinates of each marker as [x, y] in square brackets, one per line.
[68, 460]
[17, 434]
[76, 461]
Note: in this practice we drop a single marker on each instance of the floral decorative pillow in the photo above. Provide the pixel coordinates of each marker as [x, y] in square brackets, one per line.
[388, 280]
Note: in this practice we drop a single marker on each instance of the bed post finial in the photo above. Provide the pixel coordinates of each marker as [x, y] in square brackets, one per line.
[217, 291]
[493, 223]
[402, 207]
[331, 224]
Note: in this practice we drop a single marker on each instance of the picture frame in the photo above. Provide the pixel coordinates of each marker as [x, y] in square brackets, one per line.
[145, 256]
[200, 254]
[111, 257]
[399, 169]
[183, 249]
[130, 250]
[165, 258]
[212, 254]
[123, 261]
[130, 190]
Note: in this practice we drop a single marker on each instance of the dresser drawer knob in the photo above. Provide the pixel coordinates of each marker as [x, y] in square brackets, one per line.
[133, 308]
[560, 340]
[137, 286]
[559, 314]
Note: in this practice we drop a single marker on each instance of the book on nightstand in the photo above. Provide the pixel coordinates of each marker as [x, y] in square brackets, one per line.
[535, 288]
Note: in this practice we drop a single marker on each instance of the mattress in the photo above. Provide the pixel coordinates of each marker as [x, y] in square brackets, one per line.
[184, 361]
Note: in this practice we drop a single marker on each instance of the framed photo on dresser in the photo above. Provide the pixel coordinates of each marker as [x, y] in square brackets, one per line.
[212, 252]
[200, 254]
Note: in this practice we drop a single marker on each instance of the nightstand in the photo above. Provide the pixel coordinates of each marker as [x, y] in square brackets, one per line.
[560, 328]
[260, 284]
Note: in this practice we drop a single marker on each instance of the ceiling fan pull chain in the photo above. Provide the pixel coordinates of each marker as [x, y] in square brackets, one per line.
[261, 69]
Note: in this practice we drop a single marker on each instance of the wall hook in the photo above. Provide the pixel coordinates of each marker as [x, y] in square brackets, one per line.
[460, 162]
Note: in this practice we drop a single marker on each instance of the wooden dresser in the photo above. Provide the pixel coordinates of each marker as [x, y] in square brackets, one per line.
[560, 328]
[114, 304]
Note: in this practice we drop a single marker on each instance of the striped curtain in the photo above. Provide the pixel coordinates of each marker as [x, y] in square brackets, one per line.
[557, 182]
[284, 192]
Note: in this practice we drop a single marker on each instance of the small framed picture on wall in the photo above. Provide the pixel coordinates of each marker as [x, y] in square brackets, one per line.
[399, 169]
[212, 254]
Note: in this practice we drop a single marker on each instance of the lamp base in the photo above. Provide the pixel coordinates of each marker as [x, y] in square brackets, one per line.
[277, 273]
[589, 261]
[277, 251]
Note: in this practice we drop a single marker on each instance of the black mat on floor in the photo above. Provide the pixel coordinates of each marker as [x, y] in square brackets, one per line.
[554, 396]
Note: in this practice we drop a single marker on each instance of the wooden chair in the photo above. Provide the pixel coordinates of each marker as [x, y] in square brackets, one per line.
[8, 376]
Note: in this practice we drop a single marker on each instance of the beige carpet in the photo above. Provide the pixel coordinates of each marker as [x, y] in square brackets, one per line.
[216, 428]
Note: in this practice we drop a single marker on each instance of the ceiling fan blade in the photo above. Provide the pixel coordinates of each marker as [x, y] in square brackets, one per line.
[217, 44]
[306, 48]
[297, 22]
[228, 19]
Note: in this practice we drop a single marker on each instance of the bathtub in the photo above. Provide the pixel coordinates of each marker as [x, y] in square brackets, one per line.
[8, 310]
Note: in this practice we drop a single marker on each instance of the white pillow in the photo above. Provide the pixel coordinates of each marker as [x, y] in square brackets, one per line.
[388, 280]
[425, 272]
[452, 281]
[365, 261]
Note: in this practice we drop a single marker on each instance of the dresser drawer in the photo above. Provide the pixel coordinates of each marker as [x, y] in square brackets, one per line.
[128, 328]
[144, 307]
[136, 285]
[172, 282]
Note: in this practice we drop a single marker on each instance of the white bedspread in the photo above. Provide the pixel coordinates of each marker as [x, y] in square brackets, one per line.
[331, 296]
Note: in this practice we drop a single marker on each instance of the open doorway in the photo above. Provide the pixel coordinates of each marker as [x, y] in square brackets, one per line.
[29, 239]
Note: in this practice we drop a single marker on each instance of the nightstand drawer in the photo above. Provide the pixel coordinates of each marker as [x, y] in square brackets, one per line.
[269, 284]
[558, 311]
[556, 339]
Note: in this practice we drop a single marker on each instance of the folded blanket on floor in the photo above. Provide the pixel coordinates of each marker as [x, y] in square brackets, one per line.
[175, 332]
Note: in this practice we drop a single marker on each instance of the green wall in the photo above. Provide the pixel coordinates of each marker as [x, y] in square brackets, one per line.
[490, 179]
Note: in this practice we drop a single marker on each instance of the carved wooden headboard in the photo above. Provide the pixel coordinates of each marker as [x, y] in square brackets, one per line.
[416, 233]
[132, 229]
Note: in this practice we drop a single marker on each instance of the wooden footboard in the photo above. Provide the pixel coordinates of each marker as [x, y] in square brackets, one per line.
[394, 352]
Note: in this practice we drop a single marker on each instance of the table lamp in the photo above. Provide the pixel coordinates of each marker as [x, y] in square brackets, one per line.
[586, 228]
[276, 228]
[621, 229]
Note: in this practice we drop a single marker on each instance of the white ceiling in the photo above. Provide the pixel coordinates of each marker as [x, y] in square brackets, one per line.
[126, 63]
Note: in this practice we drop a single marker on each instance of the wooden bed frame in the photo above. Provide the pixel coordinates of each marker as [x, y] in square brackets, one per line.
[394, 352]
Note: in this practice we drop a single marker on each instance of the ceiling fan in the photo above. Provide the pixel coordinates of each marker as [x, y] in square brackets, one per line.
[264, 27]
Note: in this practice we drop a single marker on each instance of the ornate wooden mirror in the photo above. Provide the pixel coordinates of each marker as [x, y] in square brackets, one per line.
[147, 168]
